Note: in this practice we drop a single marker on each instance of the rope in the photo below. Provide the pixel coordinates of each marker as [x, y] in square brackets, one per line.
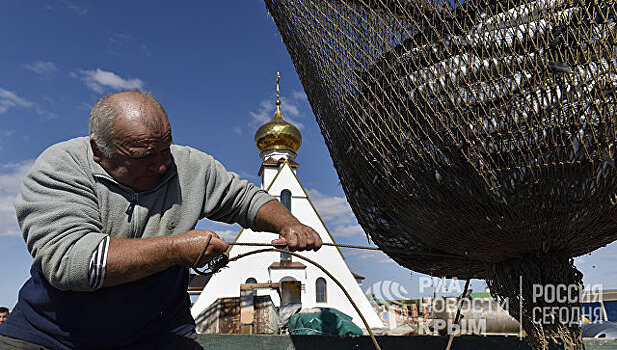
[370, 332]
[227, 260]
[388, 249]
[214, 265]
[203, 251]
[326, 244]
[457, 318]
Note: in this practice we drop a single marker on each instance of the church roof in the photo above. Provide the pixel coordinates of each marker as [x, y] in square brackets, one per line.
[276, 162]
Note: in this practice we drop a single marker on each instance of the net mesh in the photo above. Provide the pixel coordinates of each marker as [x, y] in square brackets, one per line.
[465, 134]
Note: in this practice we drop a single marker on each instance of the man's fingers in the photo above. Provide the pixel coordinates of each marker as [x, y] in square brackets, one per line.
[301, 239]
[317, 241]
[216, 244]
[310, 236]
[279, 242]
[292, 240]
[215, 248]
[214, 235]
[310, 240]
[220, 246]
[313, 240]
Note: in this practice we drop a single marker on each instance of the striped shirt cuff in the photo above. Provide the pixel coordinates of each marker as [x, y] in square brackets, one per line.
[98, 262]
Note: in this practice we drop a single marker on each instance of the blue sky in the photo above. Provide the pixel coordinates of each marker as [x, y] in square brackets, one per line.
[213, 66]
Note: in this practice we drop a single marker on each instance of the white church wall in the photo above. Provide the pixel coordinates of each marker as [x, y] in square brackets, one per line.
[226, 283]
[268, 175]
[286, 181]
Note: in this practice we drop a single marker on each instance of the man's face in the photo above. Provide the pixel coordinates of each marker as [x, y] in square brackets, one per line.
[142, 152]
[3, 316]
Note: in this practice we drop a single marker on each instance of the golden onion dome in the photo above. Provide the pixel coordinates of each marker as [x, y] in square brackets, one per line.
[278, 134]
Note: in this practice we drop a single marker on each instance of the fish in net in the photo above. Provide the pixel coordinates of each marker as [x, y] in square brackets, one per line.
[472, 138]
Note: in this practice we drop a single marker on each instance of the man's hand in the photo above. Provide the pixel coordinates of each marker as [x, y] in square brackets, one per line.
[191, 243]
[129, 260]
[298, 237]
[274, 217]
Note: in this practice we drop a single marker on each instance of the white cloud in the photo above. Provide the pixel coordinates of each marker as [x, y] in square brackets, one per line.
[227, 232]
[348, 231]
[238, 130]
[299, 96]
[227, 235]
[248, 176]
[118, 40]
[9, 99]
[11, 176]
[264, 113]
[7, 132]
[335, 210]
[42, 67]
[376, 256]
[125, 45]
[78, 9]
[99, 80]
[289, 107]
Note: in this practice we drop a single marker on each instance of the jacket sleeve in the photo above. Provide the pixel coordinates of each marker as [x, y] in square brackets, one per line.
[229, 199]
[57, 210]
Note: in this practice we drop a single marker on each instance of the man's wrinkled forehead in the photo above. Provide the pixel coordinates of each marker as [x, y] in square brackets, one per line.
[138, 130]
[158, 140]
[143, 146]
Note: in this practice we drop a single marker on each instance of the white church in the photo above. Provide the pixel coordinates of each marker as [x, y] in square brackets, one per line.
[278, 141]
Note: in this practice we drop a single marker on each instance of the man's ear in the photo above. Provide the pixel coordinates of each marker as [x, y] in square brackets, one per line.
[95, 150]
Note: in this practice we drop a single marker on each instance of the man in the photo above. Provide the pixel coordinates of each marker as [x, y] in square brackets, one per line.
[4, 314]
[109, 220]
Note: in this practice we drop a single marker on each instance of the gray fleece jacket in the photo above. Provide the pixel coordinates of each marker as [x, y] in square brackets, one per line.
[68, 203]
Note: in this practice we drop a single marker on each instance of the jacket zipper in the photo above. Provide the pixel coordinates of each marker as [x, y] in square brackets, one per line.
[132, 213]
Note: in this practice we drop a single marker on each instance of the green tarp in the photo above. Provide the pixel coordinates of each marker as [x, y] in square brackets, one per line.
[328, 321]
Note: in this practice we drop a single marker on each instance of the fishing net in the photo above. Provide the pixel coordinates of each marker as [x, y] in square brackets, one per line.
[470, 134]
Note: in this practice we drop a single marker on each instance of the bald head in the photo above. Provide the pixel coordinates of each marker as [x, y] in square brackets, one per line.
[130, 138]
[131, 109]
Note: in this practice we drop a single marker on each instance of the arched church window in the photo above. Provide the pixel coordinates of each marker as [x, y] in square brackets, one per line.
[286, 201]
[251, 280]
[320, 290]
